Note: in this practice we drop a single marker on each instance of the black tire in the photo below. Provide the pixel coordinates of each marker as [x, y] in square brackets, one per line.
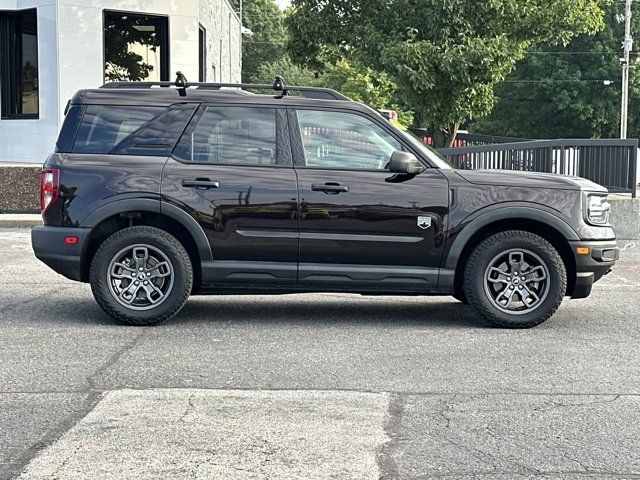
[483, 284]
[161, 248]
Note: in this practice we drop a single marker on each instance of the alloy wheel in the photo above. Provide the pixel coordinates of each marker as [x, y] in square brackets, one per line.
[140, 277]
[517, 281]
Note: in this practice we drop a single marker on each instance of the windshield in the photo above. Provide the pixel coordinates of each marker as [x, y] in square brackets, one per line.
[416, 142]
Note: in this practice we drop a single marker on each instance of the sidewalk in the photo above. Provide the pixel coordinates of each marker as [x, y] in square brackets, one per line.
[16, 220]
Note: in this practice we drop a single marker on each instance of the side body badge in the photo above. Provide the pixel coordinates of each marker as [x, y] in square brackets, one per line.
[424, 222]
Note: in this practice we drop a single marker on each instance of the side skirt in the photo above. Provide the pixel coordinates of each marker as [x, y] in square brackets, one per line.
[242, 277]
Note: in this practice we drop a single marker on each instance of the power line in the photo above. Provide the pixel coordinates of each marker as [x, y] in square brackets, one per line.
[568, 52]
[604, 82]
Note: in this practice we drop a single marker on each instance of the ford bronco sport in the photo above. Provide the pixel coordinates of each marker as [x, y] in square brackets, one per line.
[159, 190]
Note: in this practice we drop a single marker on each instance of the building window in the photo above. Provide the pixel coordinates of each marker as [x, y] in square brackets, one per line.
[202, 54]
[19, 89]
[136, 47]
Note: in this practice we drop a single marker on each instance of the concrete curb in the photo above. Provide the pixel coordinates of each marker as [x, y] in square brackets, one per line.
[11, 220]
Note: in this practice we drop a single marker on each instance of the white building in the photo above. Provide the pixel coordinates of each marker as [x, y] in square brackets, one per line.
[49, 49]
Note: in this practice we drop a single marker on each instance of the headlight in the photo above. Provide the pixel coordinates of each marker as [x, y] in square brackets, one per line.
[598, 210]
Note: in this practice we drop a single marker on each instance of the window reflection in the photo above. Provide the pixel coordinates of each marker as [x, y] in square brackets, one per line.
[135, 47]
[344, 140]
[19, 64]
[103, 128]
[232, 135]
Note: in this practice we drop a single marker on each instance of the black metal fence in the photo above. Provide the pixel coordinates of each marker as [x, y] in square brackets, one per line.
[611, 163]
[468, 139]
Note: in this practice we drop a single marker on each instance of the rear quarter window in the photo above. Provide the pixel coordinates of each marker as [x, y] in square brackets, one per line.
[131, 130]
[69, 129]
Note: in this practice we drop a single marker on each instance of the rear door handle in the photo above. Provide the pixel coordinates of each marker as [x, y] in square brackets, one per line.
[200, 183]
[330, 188]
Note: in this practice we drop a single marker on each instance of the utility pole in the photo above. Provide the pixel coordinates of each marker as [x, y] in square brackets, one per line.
[241, 37]
[628, 47]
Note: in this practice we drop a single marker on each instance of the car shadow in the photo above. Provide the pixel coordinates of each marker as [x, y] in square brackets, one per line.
[281, 310]
[317, 310]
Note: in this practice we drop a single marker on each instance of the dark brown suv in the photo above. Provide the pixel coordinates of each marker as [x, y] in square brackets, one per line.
[158, 190]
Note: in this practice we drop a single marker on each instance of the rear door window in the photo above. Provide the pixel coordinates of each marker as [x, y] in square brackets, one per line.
[131, 130]
[232, 135]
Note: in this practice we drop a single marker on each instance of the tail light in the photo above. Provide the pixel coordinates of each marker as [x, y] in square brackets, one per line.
[49, 187]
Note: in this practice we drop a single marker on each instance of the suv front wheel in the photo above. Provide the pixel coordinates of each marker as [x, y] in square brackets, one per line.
[515, 279]
[141, 275]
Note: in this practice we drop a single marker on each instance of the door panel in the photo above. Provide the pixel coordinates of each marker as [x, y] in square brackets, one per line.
[364, 225]
[242, 190]
[375, 222]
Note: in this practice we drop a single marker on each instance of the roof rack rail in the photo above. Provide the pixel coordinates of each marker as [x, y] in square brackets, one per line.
[279, 85]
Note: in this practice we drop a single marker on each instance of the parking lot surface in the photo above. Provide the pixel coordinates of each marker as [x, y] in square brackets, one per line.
[314, 386]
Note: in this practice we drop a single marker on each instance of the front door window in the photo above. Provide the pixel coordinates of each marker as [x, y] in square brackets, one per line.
[340, 140]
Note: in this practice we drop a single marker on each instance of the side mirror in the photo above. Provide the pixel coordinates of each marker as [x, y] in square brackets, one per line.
[406, 163]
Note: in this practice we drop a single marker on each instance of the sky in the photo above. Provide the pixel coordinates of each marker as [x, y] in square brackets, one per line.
[283, 3]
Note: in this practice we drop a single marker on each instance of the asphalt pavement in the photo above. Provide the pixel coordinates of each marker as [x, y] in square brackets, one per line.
[314, 386]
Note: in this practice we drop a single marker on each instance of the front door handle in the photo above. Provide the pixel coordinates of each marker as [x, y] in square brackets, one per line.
[200, 183]
[330, 188]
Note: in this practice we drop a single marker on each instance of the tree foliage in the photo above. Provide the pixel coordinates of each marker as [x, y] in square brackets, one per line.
[561, 93]
[445, 56]
[265, 55]
[268, 43]
[358, 83]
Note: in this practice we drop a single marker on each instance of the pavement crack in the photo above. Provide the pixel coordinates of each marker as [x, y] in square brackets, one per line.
[448, 406]
[190, 408]
[53, 435]
[384, 456]
[574, 460]
[92, 379]
[482, 456]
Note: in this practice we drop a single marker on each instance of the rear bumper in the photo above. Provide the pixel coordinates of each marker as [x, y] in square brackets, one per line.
[51, 247]
[592, 266]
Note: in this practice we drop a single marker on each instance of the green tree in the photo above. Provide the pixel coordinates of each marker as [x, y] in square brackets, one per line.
[363, 84]
[358, 83]
[292, 73]
[445, 56]
[268, 43]
[561, 93]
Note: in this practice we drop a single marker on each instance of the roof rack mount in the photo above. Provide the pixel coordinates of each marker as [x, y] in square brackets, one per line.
[279, 85]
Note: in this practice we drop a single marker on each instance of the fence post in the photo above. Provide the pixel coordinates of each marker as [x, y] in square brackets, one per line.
[634, 169]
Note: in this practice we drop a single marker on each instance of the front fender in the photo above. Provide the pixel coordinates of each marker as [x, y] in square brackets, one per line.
[505, 213]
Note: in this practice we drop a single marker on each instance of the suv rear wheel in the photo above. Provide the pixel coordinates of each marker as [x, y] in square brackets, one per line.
[141, 276]
[515, 279]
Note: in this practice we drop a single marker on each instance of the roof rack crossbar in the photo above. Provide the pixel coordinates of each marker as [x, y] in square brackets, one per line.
[311, 92]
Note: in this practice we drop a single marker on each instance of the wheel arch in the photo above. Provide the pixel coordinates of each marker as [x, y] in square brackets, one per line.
[546, 225]
[121, 214]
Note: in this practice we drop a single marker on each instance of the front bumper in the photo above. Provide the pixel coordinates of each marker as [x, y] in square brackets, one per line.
[592, 266]
[51, 247]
